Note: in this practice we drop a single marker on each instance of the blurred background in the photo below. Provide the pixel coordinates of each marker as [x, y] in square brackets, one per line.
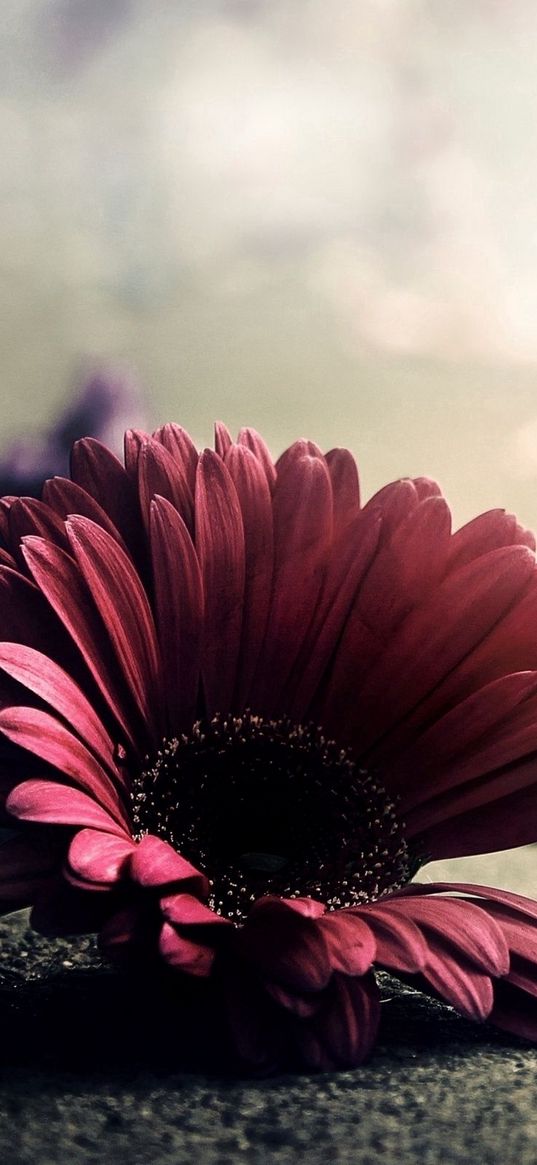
[317, 219]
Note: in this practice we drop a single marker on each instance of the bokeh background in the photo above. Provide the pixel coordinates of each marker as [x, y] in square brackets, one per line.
[318, 219]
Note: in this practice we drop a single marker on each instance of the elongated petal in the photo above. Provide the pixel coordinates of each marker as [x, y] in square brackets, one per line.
[65, 497]
[220, 547]
[191, 957]
[179, 611]
[154, 863]
[55, 804]
[255, 443]
[60, 581]
[302, 511]
[48, 739]
[160, 473]
[122, 603]
[40, 675]
[253, 492]
[99, 857]
[177, 441]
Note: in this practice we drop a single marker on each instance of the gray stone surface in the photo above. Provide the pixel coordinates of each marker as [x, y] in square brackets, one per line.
[93, 1073]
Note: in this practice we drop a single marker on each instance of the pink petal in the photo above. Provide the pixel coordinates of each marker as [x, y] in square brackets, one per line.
[40, 675]
[185, 910]
[48, 739]
[220, 547]
[253, 493]
[178, 610]
[154, 863]
[60, 581]
[122, 603]
[183, 954]
[56, 804]
[99, 857]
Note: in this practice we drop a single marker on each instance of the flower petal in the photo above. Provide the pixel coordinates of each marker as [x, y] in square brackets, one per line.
[55, 804]
[99, 857]
[220, 547]
[179, 611]
[154, 863]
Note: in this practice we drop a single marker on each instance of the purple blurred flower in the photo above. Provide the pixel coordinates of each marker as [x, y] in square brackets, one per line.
[100, 408]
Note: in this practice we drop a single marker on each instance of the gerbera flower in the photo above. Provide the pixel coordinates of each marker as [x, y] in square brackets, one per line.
[239, 710]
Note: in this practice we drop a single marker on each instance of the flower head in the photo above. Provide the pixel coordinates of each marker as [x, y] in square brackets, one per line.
[240, 709]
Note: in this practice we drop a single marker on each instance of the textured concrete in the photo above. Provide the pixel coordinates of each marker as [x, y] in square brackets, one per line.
[92, 1075]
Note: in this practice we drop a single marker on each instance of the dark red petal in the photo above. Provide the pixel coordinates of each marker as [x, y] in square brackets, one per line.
[344, 1030]
[154, 863]
[437, 636]
[222, 438]
[177, 441]
[99, 857]
[27, 516]
[179, 611]
[400, 944]
[60, 581]
[184, 955]
[394, 502]
[296, 452]
[101, 474]
[48, 739]
[456, 980]
[487, 532]
[253, 493]
[302, 510]
[287, 947]
[66, 497]
[220, 546]
[349, 559]
[160, 473]
[252, 441]
[56, 804]
[455, 924]
[345, 487]
[457, 734]
[40, 675]
[350, 942]
[122, 603]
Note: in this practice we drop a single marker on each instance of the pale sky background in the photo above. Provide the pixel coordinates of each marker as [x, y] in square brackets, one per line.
[316, 218]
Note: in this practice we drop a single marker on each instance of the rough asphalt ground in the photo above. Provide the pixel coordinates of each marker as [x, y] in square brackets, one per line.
[91, 1074]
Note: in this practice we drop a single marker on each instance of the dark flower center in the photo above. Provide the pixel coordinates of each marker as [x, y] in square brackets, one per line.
[271, 807]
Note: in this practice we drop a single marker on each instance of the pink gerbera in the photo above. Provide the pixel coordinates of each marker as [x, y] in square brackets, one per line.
[239, 710]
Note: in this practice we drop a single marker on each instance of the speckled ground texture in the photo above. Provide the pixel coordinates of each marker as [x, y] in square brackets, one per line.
[92, 1073]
